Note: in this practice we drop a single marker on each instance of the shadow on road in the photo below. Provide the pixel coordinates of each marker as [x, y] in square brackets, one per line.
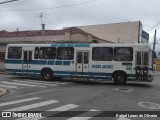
[89, 82]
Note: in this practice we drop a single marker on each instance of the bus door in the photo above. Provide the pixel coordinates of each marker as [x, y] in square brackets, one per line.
[82, 63]
[142, 64]
[27, 59]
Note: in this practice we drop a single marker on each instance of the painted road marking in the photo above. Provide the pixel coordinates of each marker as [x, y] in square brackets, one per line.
[20, 84]
[86, 114]
[149, 105]
[19, 101]
[22, 108]
[57, 110]
[37, 83]
[64, 108]
[8, 86]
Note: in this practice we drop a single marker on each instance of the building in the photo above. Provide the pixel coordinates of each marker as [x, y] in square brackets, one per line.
[125, 32]
[73, 35]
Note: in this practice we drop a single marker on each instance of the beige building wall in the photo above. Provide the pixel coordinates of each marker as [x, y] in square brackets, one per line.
[44, 39]
[122, 32]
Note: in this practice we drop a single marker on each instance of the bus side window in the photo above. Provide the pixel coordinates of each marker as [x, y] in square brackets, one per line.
[102, 54]
[36, 53]
[15, 52]
[65, 53]
[123, 54]
[47, 53]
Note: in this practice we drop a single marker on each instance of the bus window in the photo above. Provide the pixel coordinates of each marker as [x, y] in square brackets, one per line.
[86, 57]
[102, 54]
[79, 57]
[47, 53]
[65, 53]
[123, 54]
[139, 62]
[36, 53]
[145, 58]
[14, 52]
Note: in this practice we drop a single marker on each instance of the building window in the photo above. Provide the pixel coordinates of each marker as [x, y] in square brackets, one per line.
[15, 52]
[65, 53]
[123, 54]
[46, 52]
[102, 54]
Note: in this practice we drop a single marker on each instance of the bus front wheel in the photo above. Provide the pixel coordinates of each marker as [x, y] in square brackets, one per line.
[47, 74]
[120, 78]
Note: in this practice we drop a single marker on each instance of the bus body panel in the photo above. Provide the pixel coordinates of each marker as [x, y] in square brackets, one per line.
[82, 65]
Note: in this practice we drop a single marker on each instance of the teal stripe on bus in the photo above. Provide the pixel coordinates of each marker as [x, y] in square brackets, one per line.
[13, 61]
[39, 62]
[71, 45]
[66, 62]
[51, 63]
[58, 62]
[82, 45]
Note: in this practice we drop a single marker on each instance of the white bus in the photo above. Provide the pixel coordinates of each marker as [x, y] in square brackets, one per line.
[115, 62]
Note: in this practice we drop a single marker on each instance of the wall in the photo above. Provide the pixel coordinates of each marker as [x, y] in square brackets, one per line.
[124, 32]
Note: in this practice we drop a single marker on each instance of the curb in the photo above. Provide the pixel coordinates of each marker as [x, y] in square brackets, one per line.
[3, 91]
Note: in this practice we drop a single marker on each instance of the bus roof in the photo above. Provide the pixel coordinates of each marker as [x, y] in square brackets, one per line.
[86, 45]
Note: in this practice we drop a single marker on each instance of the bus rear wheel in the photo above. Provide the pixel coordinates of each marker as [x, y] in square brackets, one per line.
[120, 78]
[47, 74]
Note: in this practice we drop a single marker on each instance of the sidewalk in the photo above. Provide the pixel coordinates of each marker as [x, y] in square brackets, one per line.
[156, 73]
[3, 91]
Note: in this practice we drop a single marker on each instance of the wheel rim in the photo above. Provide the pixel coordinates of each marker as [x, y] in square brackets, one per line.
[121, 79]
[47, 75]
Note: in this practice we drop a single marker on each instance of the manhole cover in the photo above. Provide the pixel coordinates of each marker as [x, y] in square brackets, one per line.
[123, 89]
[150, 105]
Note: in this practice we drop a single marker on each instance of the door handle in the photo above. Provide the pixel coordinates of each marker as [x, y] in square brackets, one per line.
[79, 67]
[85, 67]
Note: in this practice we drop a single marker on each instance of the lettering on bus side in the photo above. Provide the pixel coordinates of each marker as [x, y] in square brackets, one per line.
[102, 66]
[128, 68]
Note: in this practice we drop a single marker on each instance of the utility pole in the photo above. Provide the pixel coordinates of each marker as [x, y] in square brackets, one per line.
[42, 24]
[41, 17]
[154, 43]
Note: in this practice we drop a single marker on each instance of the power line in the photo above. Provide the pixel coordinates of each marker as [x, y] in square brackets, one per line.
[8, 1]
[154, 27]
[63, 6]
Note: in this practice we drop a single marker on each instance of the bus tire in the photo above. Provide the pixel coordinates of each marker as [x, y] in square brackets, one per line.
[47, 74]
[120, 78]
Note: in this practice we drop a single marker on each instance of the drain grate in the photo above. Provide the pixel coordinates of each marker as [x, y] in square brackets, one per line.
[123, 89]
[149, 105]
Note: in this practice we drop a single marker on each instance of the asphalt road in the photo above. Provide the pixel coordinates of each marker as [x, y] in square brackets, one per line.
[28, 94]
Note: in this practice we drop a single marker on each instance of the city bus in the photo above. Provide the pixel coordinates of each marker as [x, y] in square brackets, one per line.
[119, 63]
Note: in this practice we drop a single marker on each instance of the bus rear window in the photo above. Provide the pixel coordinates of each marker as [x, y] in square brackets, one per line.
[15, 52]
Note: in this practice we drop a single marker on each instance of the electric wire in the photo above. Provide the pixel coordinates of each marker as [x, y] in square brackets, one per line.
[57, 7]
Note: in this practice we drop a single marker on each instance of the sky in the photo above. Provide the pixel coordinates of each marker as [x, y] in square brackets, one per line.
[56, 14]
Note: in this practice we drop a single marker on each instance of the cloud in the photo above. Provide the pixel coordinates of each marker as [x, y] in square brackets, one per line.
[98, 12]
